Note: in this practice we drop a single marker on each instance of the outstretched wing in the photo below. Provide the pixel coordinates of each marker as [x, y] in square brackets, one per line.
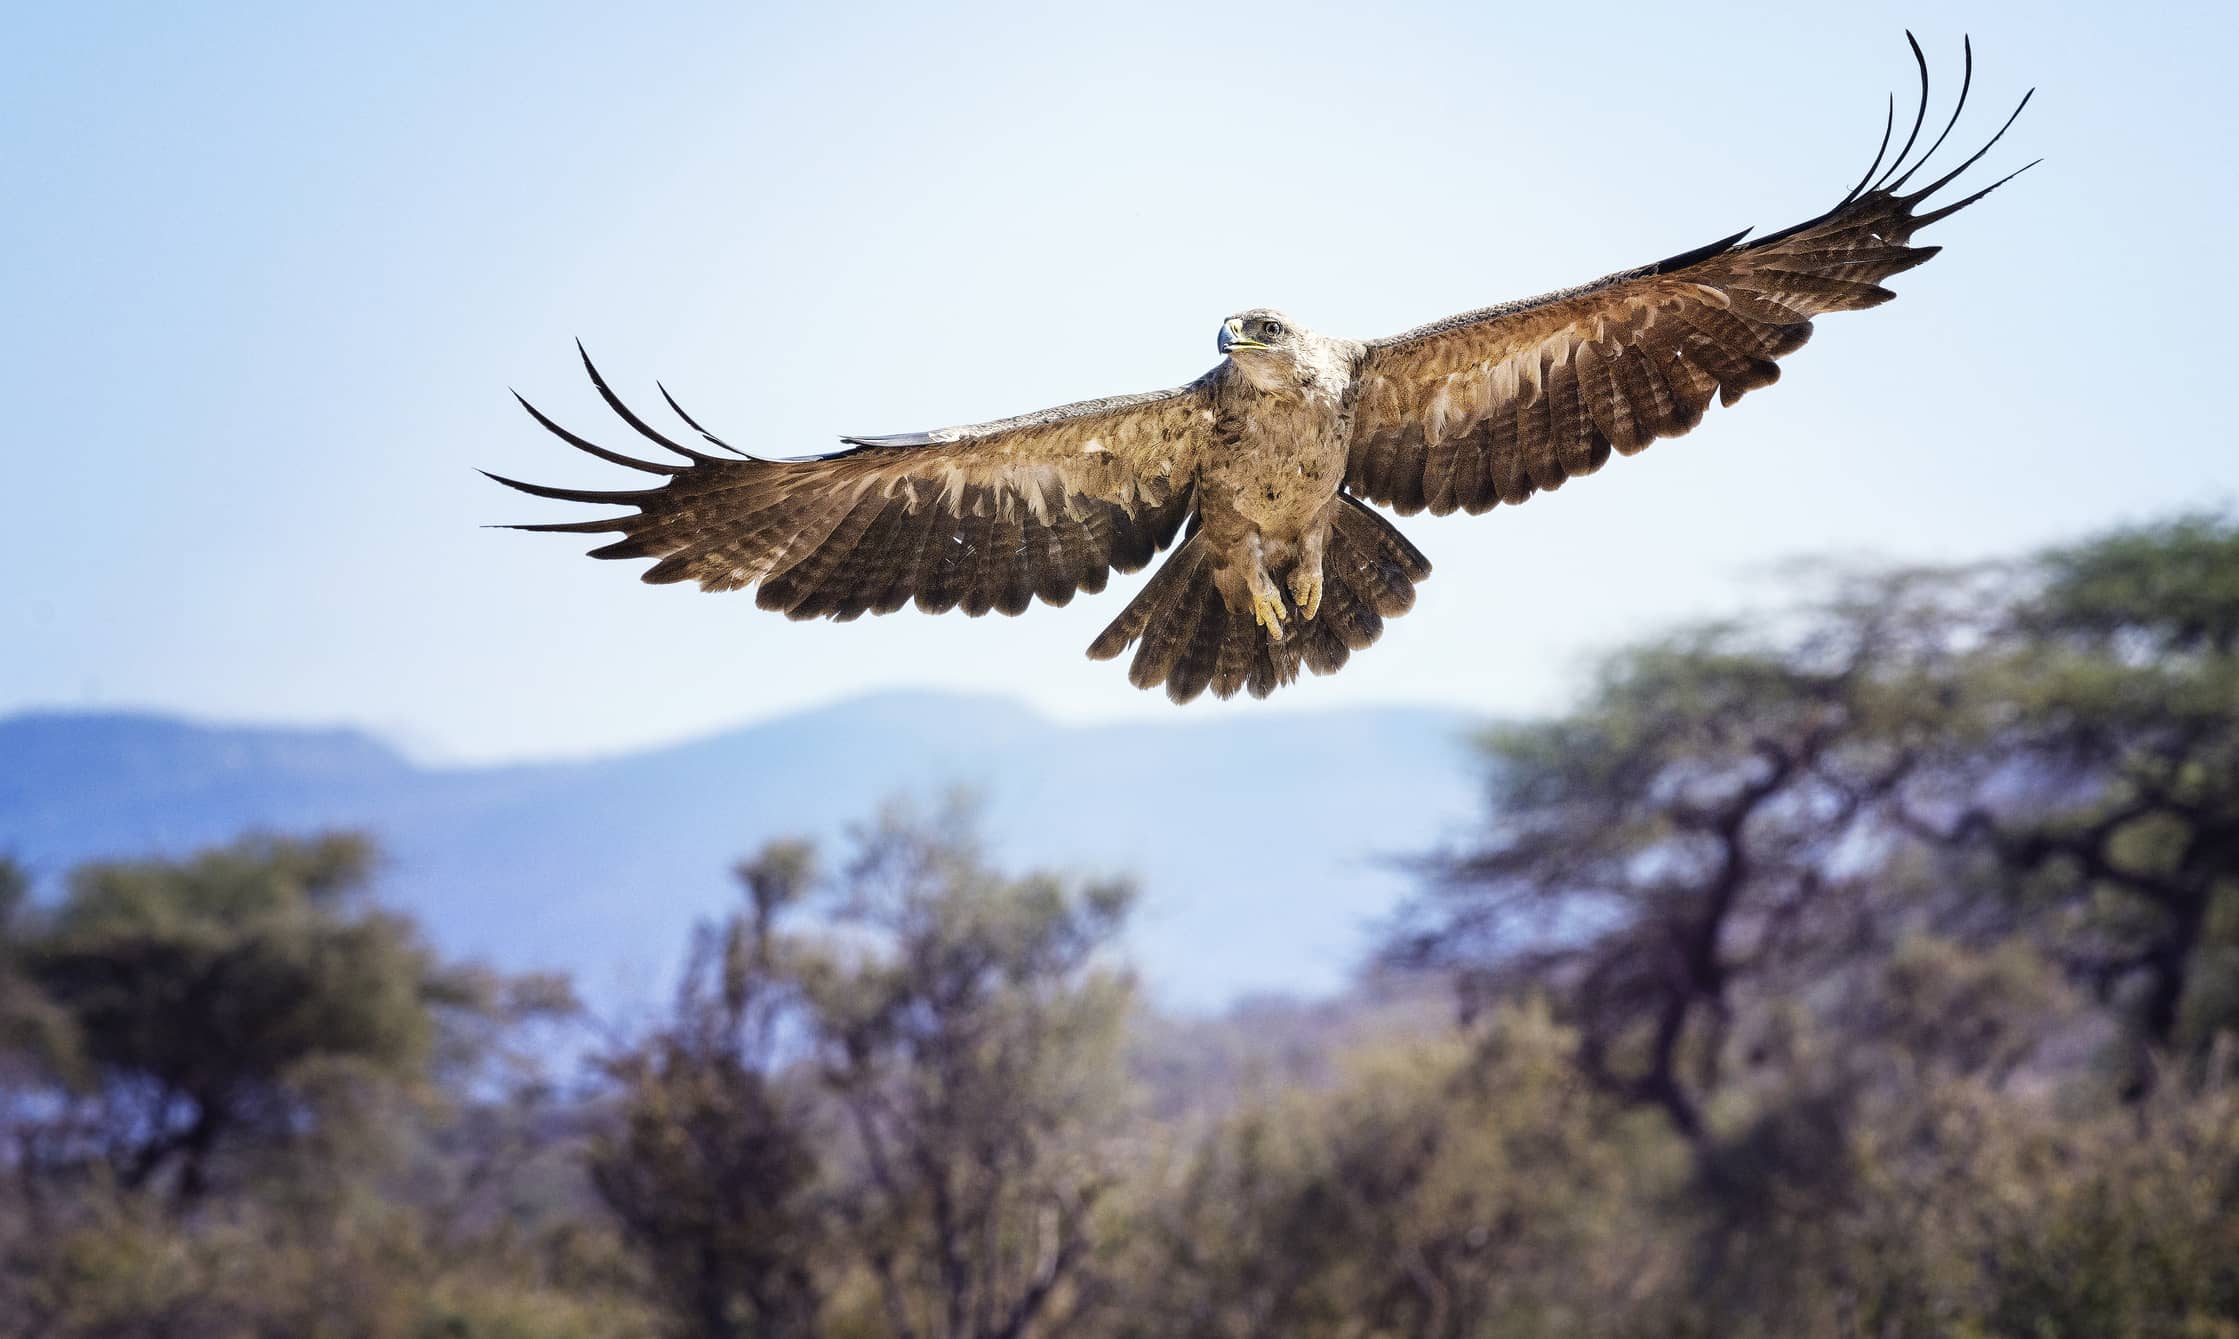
[986, 517]
[1493, 405]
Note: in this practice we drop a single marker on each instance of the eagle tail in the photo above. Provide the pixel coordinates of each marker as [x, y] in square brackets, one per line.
[1188, 639]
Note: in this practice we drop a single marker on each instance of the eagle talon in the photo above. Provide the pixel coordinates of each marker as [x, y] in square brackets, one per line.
[1267, 611]
[1306, 592]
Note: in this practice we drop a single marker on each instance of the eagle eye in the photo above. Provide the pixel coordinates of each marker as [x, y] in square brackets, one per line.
[1272, 328]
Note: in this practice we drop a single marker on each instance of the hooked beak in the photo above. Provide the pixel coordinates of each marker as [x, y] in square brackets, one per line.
[1232, 338]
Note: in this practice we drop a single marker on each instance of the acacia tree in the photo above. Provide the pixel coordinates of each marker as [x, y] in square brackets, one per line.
[1696, 829]
[222, 1002]
[38, 1046]
[1727, 810]
[910, 1100]
[2100, 770]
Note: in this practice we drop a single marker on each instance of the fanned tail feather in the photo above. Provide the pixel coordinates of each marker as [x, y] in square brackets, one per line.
[1188, 639]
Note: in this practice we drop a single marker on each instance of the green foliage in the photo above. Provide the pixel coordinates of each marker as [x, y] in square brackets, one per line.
[122, 1272]
[1463, 1186]
[256, 1105]
[238, 1017]
[38, 1043]
[210, 1001]
[2173, 586]
[230, 968]
[2125, 1227]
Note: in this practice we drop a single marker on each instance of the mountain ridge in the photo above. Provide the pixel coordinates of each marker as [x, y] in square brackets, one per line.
[1255, 836]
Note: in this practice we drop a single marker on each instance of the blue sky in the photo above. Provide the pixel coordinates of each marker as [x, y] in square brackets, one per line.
[271, 270]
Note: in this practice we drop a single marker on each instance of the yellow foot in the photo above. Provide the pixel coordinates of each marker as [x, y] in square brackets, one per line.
[1267, 611]
[1306, 591]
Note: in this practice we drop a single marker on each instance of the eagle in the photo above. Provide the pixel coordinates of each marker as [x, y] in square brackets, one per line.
[1267, 465]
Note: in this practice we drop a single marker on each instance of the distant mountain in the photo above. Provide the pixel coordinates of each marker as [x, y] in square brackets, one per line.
[1262, 841]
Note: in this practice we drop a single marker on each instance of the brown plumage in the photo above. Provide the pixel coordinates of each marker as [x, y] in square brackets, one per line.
[1269, 456]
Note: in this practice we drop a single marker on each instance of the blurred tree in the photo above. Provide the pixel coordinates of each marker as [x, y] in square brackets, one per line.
[975, 1051]
[910, 1102]
[1695, 829]
[1445, 1189]
[2101, 770]
[1774, 951]
[238, 998]
[122, 1269]
[39, 1052]
[710, 1163]
[38, 1045]
[1807, 887]
[1861, 1158]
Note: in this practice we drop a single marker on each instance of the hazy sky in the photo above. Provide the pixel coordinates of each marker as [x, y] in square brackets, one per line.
[269, 271]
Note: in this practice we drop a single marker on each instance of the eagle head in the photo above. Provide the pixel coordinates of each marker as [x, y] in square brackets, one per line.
[1269, 349]
[1260, 331]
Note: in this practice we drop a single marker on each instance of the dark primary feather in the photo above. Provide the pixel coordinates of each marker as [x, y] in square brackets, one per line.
[692, 422]
[1495, 405]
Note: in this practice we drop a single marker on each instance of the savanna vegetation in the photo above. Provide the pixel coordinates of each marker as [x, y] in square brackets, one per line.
[1867, 967]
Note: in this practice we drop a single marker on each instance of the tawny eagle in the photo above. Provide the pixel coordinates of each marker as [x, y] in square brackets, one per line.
[1267, 463]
